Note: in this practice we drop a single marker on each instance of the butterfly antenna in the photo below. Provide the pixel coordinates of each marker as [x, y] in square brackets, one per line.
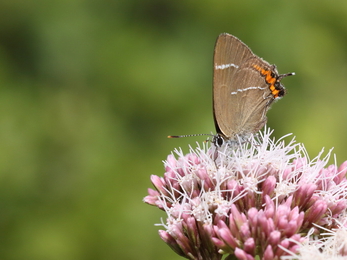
[179, 136]
[286, 75]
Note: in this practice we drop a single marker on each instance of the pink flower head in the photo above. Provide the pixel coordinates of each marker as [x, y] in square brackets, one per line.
[258, 198]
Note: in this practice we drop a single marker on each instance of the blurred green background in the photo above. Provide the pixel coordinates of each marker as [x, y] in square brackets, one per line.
[90, 90]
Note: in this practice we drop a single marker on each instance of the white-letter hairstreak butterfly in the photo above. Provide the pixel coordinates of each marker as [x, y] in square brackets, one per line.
[244, 87]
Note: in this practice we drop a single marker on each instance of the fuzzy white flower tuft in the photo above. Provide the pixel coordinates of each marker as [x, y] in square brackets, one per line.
[256, 198]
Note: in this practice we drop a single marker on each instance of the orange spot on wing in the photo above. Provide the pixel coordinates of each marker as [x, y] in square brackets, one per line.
[269, 80]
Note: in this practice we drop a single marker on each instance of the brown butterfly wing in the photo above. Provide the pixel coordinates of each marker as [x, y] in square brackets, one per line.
[241, 96]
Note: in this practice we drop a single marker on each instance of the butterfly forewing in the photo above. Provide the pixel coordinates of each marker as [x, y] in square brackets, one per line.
[241, 97]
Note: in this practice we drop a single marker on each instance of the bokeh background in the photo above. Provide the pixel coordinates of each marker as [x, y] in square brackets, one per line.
[89, 90]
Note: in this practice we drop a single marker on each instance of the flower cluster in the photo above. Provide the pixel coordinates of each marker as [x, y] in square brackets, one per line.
[259, 198]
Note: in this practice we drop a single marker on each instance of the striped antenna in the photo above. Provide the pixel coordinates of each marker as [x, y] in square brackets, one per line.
[179, 136]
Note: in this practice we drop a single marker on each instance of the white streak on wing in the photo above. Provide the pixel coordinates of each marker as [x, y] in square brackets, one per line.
[225, 66]
[245, 89]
